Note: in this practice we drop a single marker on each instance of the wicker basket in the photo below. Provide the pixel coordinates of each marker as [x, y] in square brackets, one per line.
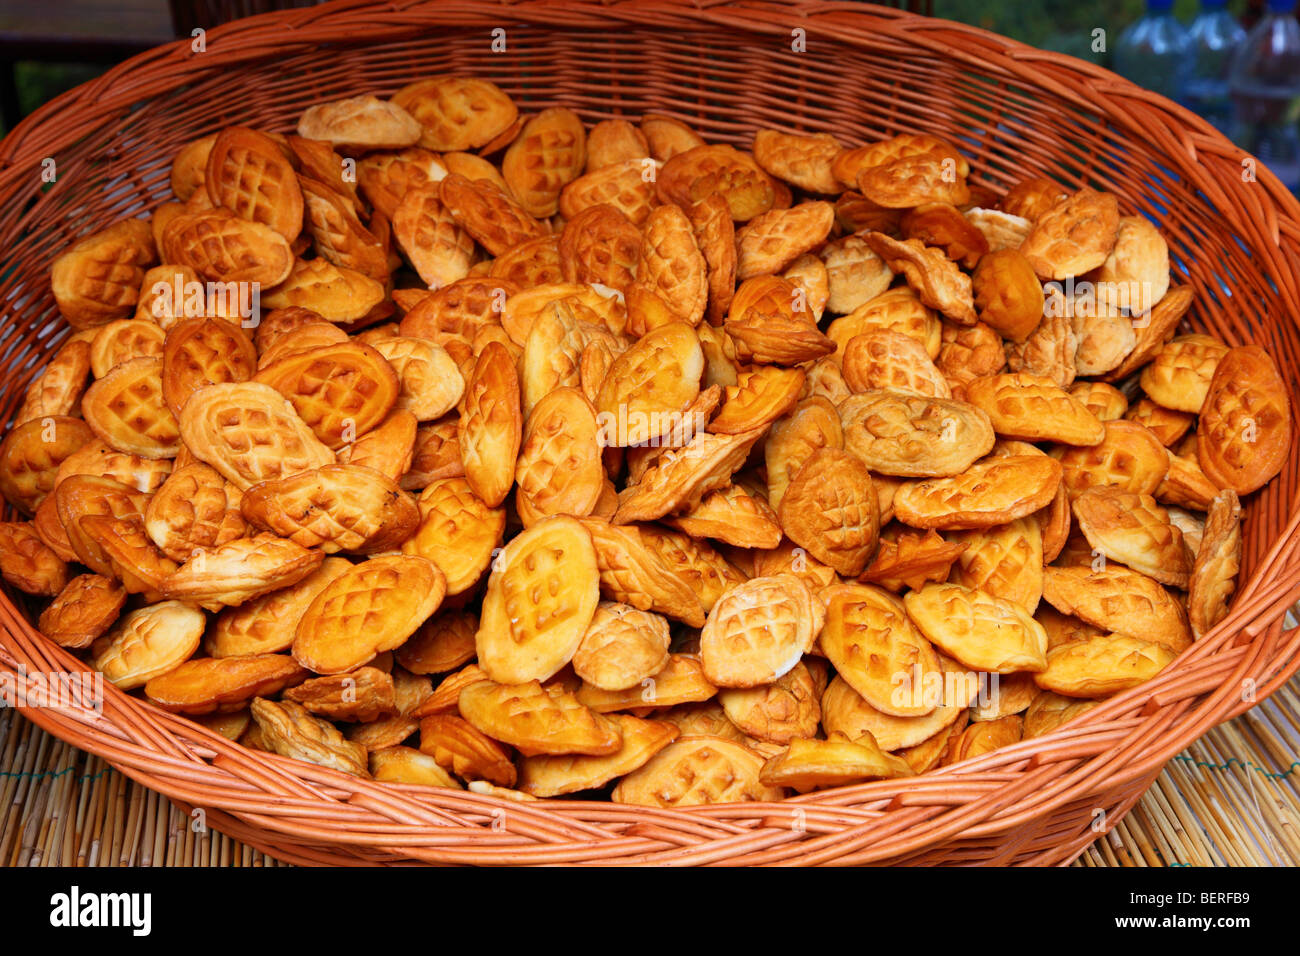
[867, 72]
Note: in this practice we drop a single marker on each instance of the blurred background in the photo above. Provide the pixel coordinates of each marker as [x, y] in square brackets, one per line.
[1235, 62]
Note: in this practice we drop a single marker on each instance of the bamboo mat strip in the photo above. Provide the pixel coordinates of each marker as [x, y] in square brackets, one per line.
[1231, 799]
[62, 807]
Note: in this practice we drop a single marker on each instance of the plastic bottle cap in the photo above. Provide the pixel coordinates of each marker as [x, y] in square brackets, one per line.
[1282, 6]
[1161, 6]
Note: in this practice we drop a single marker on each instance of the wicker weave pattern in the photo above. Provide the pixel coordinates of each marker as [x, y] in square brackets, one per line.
[727, 69]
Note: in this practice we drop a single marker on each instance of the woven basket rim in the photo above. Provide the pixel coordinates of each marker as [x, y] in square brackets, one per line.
[264, 798]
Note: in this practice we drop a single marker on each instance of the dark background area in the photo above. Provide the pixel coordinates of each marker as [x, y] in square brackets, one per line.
[49, 46]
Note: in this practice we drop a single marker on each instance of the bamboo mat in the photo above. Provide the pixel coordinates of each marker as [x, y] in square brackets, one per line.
[1231, 799]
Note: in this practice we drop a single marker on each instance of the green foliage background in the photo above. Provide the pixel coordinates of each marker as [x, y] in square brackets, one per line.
[1062, 25]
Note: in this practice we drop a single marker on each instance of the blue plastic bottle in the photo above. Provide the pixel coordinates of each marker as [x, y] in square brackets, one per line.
[1154, 52]
[1215, 36]
[1264, 85]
